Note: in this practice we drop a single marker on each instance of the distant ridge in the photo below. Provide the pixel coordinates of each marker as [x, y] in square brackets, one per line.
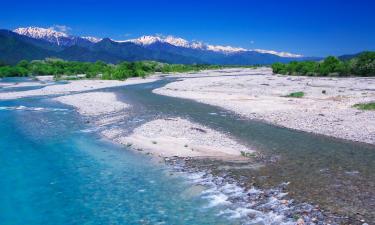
[47, 42]
[61, 38]
[349, 56]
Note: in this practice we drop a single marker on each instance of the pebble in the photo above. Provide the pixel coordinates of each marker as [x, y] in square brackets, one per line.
[300, 221]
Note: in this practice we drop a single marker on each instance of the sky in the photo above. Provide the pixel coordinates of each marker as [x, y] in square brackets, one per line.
[311, 28]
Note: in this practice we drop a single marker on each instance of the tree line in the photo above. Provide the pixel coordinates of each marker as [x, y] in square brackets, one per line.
[362, 65]
[99, 69]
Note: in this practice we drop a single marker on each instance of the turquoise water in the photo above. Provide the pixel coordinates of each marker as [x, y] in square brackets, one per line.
[52, 172]
[55, 171]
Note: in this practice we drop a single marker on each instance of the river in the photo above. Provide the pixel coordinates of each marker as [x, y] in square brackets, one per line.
[55, 172]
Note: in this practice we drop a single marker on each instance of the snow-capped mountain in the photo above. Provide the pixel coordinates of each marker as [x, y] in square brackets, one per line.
[180, 42]
[92, 39]
[64, 39]
[281, 54]
[48, 42]
[47, 34]
[40, 33]
[225, 49]
[55, 37]
[148, 40]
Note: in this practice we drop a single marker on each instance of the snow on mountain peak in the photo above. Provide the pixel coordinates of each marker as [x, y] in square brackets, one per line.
[148, 40]
[61, 38]
[281, 54]
[197, 45]
[92, 39]
[177, 41]
[52, 35]
[48, 34]
[40, 33]
[226, 49]
[145, 40]
[180, 42]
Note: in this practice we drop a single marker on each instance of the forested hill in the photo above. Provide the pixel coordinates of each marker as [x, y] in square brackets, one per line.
[362, 64]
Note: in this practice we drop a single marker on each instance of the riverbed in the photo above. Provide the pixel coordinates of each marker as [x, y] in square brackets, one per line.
[334, 174]
[293, 175]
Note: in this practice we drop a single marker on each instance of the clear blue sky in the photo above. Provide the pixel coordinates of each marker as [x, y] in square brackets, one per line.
[312, 28]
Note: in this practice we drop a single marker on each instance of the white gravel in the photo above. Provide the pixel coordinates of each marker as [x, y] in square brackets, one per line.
[94, 103]
[172, 137]
[258, 94]
[72, 87]
[179, 137]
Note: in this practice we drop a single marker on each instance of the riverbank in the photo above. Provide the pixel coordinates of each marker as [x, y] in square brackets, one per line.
[326, 107]
[195, 151]
[166, 137]
[153, 123]
[163, 137]
[94, 103]
[65, 88]
[177, 137]
[62, 174]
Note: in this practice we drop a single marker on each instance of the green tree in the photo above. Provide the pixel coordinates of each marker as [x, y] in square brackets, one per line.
[364, 64]
[23, 64]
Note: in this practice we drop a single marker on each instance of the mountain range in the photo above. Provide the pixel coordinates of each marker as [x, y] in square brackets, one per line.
[33, 43]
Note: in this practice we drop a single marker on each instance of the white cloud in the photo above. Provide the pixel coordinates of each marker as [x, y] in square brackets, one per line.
[252, 42]
[160, 35]
[61, 28]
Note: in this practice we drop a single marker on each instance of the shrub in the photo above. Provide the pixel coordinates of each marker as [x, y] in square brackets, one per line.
[365, 106]
[248, 154]
[364, 64]
[298, 94]
[278, 68]
[121, 71]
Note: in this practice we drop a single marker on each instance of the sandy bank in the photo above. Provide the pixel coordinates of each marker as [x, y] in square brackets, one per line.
[325, 109]
[21, 84]
[179, 137]
[93, 103]
[160, 137]
[72, 87]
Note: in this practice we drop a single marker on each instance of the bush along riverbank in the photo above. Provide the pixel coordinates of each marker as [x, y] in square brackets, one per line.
[60, 68]
[362, 65]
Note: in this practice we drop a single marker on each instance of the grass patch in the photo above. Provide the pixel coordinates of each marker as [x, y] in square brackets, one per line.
[298, 94]
[365, 106]
[248, 154]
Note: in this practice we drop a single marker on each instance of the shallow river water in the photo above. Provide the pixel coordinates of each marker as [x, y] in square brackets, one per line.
[54, 172]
